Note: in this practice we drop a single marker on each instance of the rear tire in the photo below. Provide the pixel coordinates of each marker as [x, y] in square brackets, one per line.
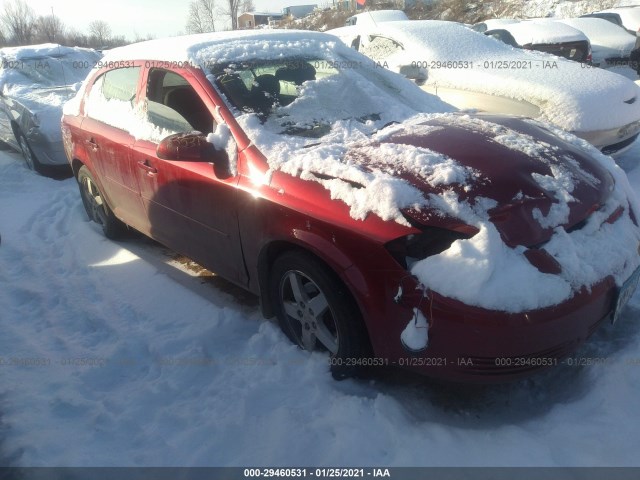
[316, 311]
[96, 207]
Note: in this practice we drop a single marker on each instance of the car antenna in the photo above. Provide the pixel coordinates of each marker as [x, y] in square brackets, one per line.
[370, 14]
[64, 77]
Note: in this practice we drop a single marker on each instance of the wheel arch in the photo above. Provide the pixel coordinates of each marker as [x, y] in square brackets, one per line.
[321, 250]
[76, 165]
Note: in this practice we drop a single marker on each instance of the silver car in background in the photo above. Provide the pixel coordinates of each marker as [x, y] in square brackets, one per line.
[35, 82]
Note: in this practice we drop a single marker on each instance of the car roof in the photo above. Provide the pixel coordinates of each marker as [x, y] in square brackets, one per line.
[204, 48]
[597, 28]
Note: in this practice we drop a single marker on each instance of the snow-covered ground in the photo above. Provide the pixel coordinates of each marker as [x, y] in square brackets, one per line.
[113, 353]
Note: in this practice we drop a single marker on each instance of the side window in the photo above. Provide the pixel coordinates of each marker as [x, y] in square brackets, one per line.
[504, 36]
[174, 105]
[111, 99]
[380, 48]
[120, 84]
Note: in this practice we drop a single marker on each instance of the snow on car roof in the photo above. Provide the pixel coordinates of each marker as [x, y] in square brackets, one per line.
[202, 49]
[497, 22]
[534, 32]
[630, 16]
[380, 16]
[570, 96]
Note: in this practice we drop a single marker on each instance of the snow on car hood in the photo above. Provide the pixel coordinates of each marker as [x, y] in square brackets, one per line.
[417, 169]
[573, 97]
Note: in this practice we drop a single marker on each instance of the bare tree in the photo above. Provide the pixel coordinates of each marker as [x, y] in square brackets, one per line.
[232, 11]
[101, 32]
[20, 21]
[76, 38]
[50, 28]
[246, 6]
[202, 16]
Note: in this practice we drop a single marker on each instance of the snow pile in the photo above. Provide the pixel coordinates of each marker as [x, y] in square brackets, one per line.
[487, 268]
[570, 96]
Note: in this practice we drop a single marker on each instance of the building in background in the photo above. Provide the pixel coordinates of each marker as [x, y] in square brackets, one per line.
[299, 11]
[249, 20]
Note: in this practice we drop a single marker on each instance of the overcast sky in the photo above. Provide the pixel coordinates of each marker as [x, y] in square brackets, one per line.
[131, 18]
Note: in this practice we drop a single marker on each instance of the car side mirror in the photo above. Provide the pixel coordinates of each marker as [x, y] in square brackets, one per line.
[414, 72]
[186, 147]
[193, 147]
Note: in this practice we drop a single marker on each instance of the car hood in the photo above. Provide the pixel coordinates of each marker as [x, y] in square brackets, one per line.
[528, 180]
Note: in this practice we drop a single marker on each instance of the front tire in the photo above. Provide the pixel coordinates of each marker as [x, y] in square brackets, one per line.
[316, 311]
[96, 207]
[29, 157]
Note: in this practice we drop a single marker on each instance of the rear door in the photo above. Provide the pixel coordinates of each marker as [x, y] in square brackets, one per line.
[190, 209]
[110, 111]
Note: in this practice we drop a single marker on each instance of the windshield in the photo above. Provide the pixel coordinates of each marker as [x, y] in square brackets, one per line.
[307, 96]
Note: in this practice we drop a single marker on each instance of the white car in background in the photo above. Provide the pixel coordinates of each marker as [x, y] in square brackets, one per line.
[472, 71]
[376, 16]
[610, 43]
[35, 82]
[626, 17]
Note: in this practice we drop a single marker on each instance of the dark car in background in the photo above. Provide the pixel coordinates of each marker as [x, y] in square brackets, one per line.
[35, 82]
[555, 38]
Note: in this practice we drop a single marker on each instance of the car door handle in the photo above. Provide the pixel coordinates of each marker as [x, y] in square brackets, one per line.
[93, 145]
[146, 166]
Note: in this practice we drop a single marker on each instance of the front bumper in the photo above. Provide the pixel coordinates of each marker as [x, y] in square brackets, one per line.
[614, 141]
[475, 345]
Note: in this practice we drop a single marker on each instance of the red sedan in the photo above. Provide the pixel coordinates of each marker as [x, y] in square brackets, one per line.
[375, 223]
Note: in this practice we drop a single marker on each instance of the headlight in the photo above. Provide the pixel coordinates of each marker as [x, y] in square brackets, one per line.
[415, 247]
